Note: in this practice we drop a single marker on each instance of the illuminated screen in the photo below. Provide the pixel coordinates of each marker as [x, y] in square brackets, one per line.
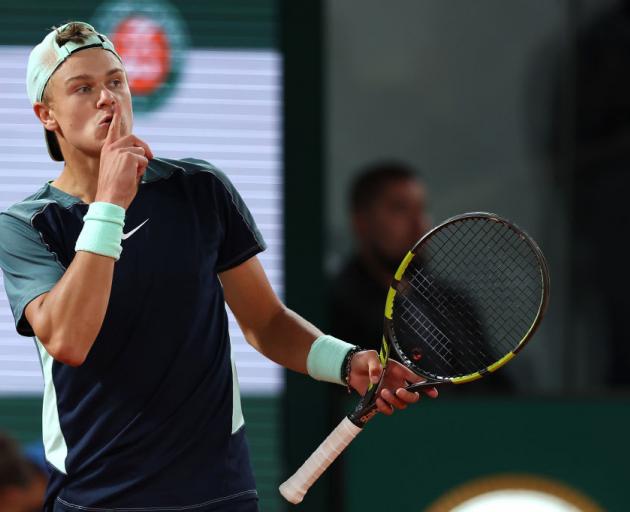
[220, 106]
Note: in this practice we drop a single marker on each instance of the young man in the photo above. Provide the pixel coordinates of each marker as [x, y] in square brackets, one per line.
[141, 404]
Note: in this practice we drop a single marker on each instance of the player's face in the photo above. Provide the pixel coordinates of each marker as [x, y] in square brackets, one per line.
[397, 219]
[82, 92]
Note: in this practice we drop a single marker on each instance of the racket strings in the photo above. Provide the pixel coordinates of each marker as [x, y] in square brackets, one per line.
[499, 262]
[445, 302]
[468, 297]
[424, 328]
[445, 297]
[441, 340]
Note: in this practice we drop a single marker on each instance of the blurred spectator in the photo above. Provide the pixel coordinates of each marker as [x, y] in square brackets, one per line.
[22, 482]
[389, 214]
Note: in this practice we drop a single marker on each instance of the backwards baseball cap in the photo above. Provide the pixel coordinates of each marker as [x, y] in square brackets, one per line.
[46, 58]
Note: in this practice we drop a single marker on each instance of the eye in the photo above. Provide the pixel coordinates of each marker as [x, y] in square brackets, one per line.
[117, 82]
[83, 89]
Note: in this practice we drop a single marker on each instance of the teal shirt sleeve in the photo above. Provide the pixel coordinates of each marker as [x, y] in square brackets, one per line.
[28, 267]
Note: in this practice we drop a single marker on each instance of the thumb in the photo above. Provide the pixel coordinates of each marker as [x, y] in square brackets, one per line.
[374, 368]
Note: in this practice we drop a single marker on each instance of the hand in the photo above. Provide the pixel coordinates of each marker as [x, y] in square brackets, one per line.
[365, 367]
[124, 160]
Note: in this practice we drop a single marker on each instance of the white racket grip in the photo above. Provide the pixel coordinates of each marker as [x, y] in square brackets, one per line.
[297, 486]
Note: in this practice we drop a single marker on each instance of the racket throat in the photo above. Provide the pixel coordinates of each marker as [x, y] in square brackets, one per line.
[360, 418]
[366, 409]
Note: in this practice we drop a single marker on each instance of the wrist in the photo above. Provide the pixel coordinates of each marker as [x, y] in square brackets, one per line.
[346, 367]
[109, 199]
[326, 359]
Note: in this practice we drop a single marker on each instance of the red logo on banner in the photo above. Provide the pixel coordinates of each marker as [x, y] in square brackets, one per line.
[144, 48]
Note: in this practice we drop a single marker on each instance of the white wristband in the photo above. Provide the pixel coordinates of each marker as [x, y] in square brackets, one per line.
[102, 230]
[326, 357]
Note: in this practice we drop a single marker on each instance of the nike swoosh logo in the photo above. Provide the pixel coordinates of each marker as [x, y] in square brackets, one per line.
[127, 235]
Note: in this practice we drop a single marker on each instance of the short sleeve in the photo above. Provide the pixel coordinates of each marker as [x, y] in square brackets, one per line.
[29, 268]
[241, 238]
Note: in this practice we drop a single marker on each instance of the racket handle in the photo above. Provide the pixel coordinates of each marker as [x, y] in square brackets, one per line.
[297, 486]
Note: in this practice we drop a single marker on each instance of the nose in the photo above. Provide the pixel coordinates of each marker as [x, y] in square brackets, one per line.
[105, 99]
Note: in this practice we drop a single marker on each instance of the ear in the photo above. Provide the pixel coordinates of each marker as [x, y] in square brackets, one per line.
[45, 115]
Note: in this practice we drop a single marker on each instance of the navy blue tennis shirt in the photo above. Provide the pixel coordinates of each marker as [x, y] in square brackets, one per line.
[151, 420]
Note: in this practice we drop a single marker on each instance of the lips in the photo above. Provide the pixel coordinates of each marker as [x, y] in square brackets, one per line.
[106, 120]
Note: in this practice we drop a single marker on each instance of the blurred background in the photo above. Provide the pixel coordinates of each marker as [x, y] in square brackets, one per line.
[519, 108]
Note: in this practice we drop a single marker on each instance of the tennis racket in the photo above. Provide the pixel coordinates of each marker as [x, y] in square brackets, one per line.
[463, 302]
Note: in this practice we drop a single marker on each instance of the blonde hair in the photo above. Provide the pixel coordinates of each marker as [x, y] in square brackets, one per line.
[75, 32]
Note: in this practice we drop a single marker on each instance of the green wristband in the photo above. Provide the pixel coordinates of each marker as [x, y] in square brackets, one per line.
[326, 358]
[102, 230]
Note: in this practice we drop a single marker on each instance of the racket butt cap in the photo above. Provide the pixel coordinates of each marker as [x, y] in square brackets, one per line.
[290, 493]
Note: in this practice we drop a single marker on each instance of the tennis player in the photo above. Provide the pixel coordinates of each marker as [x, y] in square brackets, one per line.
[120, 269]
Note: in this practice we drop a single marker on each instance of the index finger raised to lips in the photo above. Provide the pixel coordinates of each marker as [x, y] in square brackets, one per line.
[113, 133]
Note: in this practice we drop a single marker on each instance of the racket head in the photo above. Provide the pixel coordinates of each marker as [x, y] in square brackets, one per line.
[467, 297]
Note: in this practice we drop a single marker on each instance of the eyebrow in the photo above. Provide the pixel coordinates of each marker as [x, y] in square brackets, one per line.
[88, 77]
